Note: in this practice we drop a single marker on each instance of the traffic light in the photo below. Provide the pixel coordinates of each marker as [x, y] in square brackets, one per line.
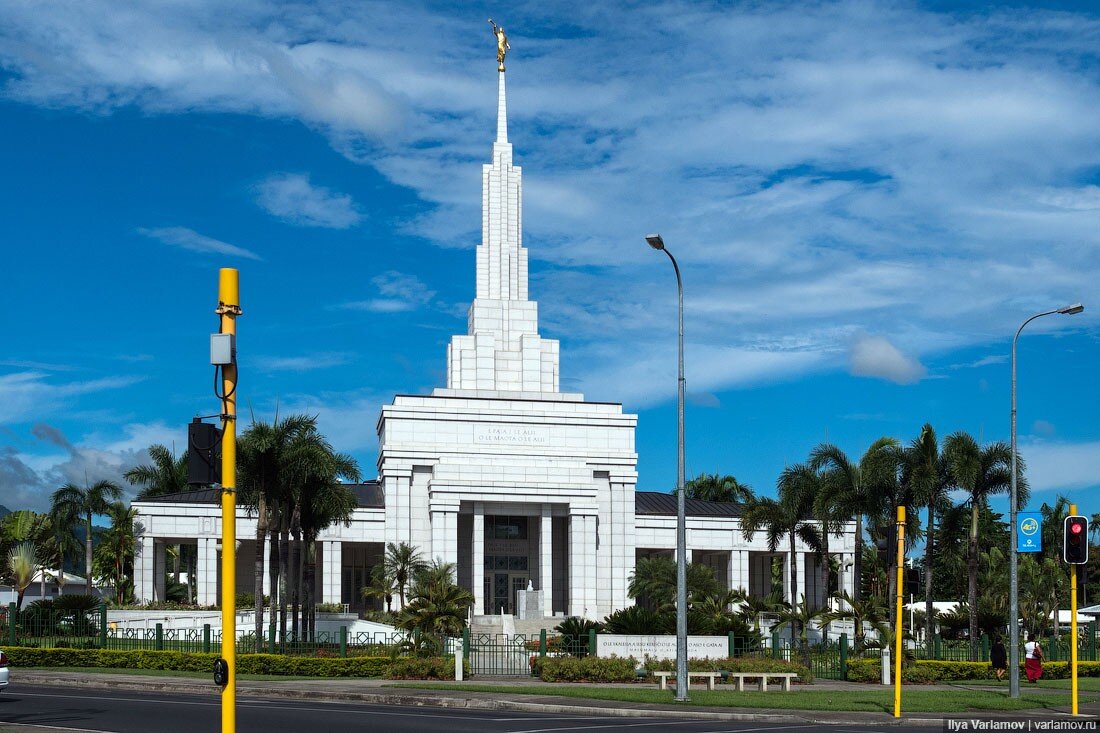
[1075, 540]
[203, 464]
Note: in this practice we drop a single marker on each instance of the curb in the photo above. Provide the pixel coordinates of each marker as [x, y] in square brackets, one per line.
[177, 685]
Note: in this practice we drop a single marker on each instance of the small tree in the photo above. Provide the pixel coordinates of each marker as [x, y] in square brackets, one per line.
[437, 607]
[22, 566]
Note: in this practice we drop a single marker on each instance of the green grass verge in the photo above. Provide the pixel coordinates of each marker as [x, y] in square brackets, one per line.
[161, 673]
[878, 701]
[1090, 684]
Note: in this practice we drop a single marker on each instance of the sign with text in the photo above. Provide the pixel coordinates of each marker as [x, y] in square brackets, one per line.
[1029, 532]
[641, 646]
[511, 435]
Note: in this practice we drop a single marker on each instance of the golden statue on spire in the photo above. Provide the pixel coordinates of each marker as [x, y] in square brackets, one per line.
[502, 44]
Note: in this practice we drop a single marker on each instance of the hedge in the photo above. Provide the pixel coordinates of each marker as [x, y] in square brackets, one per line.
[585, 669]
[927, 670]
[425, 668]
[268, 664]
[734, 664]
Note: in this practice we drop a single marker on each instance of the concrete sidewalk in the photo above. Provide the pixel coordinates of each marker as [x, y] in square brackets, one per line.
[383, 692]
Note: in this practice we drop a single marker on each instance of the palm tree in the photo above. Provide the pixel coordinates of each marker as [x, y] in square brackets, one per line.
[925, 469]
[403, 562]
[801, 616]
[71, 502]
[713, 487]
[753, 606]
[856, 489]
[320, 502]
[382, 587]
[438, 606]
[859, 612]
[116, 548]
[265, 462]
[165, 474]
[982, 473]
[22, 566]
[788, 516]
[654, 579]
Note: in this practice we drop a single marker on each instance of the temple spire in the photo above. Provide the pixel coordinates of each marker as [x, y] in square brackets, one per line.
[502, 111]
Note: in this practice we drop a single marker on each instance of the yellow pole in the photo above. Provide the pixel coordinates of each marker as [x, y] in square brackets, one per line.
[229, 308]
[1073, 625]
[899, 628]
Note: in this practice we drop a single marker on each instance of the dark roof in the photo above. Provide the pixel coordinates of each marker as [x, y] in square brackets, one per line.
[199, 496]
[655, 502]
[368, 494]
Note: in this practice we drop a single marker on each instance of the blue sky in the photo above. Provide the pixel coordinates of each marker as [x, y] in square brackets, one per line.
[866, 198]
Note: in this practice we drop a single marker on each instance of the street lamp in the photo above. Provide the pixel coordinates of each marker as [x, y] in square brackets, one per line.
[656, 242]
[1013, 600]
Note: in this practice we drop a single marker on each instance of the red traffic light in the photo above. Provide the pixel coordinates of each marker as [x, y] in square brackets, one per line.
[1075, 549]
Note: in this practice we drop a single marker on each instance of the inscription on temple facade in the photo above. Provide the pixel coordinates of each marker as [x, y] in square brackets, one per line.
[511, 435]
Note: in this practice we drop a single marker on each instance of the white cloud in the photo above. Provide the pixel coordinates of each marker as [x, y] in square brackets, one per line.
[875, 356]
[859, 166]
[292, 198]
[1046, 428]
[302, 363]
[191, 240]
[28, 479]
[1061, 466]
[399, 292]
[33, 395]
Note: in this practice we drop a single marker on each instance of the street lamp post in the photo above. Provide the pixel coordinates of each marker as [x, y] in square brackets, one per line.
[656, 242]
[1013, 600]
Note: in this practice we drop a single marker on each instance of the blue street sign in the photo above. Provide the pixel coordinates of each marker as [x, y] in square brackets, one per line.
[1029, 532]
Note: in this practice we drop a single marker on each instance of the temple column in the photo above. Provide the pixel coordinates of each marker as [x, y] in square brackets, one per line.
[331, 570]
[546, 560]
[582, 564]
[444, 521]
[143, 570]
[160, 565]
[477, 559]
[207, 565]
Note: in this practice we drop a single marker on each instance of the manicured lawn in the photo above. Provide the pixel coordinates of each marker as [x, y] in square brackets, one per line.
[882, 701]
[1091, 684]
[161, 673]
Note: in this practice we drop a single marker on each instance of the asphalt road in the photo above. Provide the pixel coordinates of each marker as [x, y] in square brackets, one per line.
[103, 711]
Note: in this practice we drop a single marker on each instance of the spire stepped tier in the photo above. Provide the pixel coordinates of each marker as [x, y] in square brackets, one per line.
[502, 351]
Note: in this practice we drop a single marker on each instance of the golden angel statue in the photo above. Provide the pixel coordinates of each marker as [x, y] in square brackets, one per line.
[502, 44]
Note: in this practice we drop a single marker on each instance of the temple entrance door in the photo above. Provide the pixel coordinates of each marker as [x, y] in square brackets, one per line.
[501, 589]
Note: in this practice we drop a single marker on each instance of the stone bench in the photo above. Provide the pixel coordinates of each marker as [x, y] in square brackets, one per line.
[662, 678]
[785, 677]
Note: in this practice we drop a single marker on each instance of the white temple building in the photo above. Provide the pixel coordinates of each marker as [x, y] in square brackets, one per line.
[516, 482]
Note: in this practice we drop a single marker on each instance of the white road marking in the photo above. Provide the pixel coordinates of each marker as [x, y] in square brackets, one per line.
[649, 721]
[57, 727]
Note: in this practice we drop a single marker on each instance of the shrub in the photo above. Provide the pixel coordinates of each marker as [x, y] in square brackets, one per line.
[270, 664]
[330, 608]
[585, 669]
[733, 664]
[574, 632]
[928, 670]
[424, 668]
[638, 620]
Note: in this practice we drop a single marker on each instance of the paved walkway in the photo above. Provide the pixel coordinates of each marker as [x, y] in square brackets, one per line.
[383, 692]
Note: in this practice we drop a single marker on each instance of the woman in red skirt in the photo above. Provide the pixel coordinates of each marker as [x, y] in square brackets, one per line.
[1033, 659]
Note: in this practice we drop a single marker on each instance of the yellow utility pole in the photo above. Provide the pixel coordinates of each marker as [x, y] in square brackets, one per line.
[899, 628]
[228, 309]
[1072, 625]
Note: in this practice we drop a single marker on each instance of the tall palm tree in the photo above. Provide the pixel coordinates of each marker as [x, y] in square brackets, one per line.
[715, 487]
[982, 472]
[855, 489]
[925, 469]
[320, 501]
[790, 516]
[265, 462]
[71, 502]
[116, 548]
[22, 566]
[382, 587]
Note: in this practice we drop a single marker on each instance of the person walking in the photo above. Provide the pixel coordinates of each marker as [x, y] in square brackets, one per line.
[998, 657]
[1033, 659]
